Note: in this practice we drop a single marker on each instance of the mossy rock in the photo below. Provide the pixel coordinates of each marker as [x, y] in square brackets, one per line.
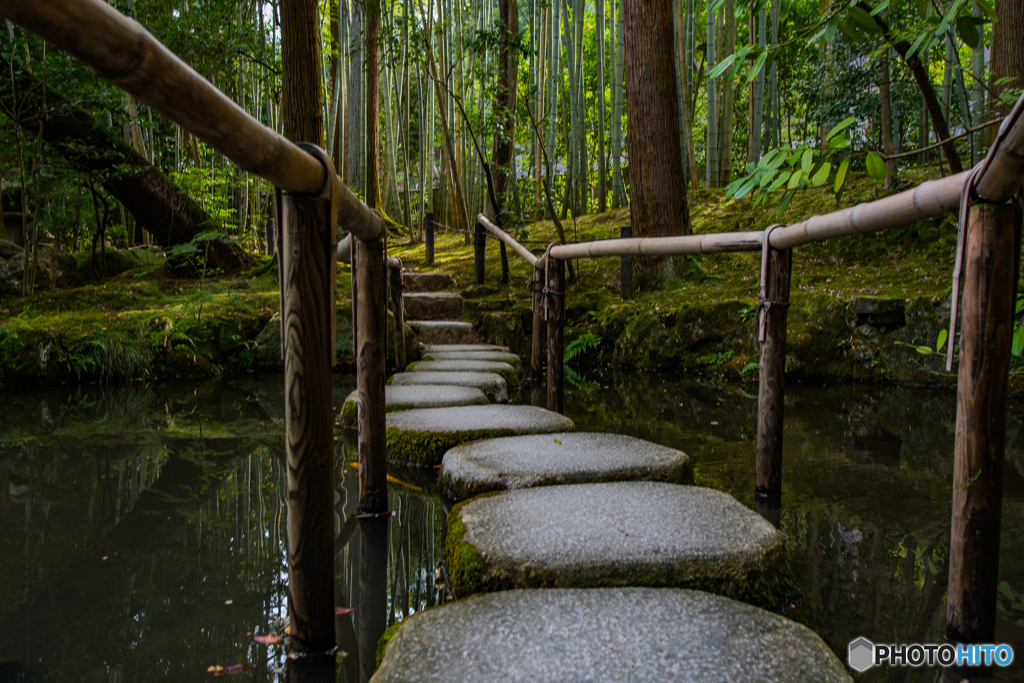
[617, 534]
[117, 262]
[507, 372]
[505, 329]
[645, 343]
[399, 398]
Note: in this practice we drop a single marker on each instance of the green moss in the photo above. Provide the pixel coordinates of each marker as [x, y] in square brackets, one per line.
[427, 449]
[466, 567]
[390, 633]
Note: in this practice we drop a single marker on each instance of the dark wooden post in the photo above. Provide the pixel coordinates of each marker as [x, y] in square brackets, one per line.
[398, 310]
[626, 267]
[271, 234]
[372, 613]
[307, 306]
[774, 310]
[555, 318]
[371, 341]
[504, 263]
[991, 258]
[428, 239]
[538, 341]
[479, 245]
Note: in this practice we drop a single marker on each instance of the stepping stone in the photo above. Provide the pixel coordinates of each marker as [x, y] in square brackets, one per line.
[504, 369]
[427, 282]
[432, 305]
[606, 634]
[443, 331]
[490, 383]
[423, 396]
[421, 437]
[460, 348]
[519, 462]
[499, 356]
[633, 533]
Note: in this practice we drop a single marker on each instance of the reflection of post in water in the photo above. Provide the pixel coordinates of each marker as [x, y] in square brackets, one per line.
[769, 507]
[372, 611]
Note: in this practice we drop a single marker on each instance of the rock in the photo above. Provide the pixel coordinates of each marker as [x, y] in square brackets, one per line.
[488, 382]
[879, 311]
[460, 348]
[637, 533]
[9, 249]
[432, 305]
[505, 329]
[500, 356]
[398, 398]
[444, 332]
[54, 270]
[421, 437]
[118, 262]
[268, 341]
[518, 462]
[507, 372]
[645, 343]
[427, 282]
[606, 634]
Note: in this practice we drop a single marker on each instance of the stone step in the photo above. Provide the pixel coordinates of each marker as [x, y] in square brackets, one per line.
[508, 372]
[427, 282]
[432, 306]
[460, 348]
[653, 635]
[634, 533]
[422, 396]
[492, 384]
[444, 332]
[499, 356]
[421, 437]
[519, 462]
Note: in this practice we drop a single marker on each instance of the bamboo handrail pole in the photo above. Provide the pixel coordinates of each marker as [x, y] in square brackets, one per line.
[660, 246]
[124, 53]
[507, 239]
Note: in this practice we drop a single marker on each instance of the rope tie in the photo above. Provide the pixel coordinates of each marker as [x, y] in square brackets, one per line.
[764, 304]
[966, 198]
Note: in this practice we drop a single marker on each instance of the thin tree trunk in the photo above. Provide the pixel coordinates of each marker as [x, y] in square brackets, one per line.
[725, 115]
[618, 183]
[711, 174]
[602, 168]
[887, 142]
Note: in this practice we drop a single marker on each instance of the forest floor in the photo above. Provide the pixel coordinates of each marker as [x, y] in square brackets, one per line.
[145, 323]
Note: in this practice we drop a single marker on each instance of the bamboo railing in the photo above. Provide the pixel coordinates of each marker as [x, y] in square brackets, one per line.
[316, 204]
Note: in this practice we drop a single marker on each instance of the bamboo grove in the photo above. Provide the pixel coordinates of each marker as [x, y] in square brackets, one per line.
[773, 96]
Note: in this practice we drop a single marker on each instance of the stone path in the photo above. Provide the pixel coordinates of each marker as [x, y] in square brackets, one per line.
[589, 522]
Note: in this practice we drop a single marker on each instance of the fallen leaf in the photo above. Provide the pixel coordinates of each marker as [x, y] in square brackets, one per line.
[229, 602]
[267, 639]
[215, 668]
[288, 630]
[233, 669]
[714, 423]
[342, 610]
[557, 441]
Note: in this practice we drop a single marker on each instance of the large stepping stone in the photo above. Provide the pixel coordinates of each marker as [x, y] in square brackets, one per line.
[653, 635]
[421, 437]
[504, 369]
[406, 397]
[519, 462]
[432, 305]
[443, 331]
[490, 383]
[499, 356]
[427, 282]
[460, 348]
[634, 533]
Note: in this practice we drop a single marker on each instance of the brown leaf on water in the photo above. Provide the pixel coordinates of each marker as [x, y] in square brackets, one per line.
[343, 610]
[267, 639]
[233, 669]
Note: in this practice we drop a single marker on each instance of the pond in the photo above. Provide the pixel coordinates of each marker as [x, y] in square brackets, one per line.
[142, 526]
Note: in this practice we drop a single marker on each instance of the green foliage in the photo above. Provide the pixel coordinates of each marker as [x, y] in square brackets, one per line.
[581, 346]
[115, 354]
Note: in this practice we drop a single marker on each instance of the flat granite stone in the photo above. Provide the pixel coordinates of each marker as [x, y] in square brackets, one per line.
[402, 397]
[427, 282]
[421, 437]
[606, 634]
[443, 331]
[519, 462]
[499, 356]
[444, 348]
[504, 369]
[490, 383]
[432, 305]
[634, 533]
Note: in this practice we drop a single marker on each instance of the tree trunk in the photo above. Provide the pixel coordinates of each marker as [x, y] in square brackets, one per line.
[887, 142]
[372, 103]
[301, 100]
[725, 115]
[602, 169]
[618, 183]
[1007, 55]
[656, 170]
[711, 170]
[505, 100]
[167, 212]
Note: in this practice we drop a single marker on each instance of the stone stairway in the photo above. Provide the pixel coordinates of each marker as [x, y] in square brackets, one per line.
[591, 556]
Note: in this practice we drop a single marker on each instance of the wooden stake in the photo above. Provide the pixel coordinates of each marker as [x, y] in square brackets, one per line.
[398, 310]
[428, 238]
[479, 245]
[504, 262]
[991, 258]
[772, 376]
[307, 306]
[537, 345]
[556, 318]
[371, 341]
[626, 265]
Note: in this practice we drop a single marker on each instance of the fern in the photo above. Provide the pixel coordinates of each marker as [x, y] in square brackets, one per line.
[581, 345]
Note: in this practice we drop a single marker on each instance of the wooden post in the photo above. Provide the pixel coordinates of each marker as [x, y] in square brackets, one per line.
[991, 258]
[398, 310]
[626, 267]
[479, 245]
[772, 378]
[428, 238]
[538, 340]
[372, 613]
[556, 318]
[504, 263]
[371, 341]
[307, 306]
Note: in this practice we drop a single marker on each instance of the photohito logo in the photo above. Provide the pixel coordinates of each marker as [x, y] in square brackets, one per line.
[863, 654]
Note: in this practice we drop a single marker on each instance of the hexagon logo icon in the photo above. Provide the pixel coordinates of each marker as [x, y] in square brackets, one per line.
[861, 655]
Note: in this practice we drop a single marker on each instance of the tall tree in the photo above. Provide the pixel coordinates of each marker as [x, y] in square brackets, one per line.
[505, 100]
[301, 99]
[1007, 55]
[659, 206]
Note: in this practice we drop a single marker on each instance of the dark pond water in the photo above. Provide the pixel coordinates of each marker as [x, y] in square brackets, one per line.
[142, 526]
